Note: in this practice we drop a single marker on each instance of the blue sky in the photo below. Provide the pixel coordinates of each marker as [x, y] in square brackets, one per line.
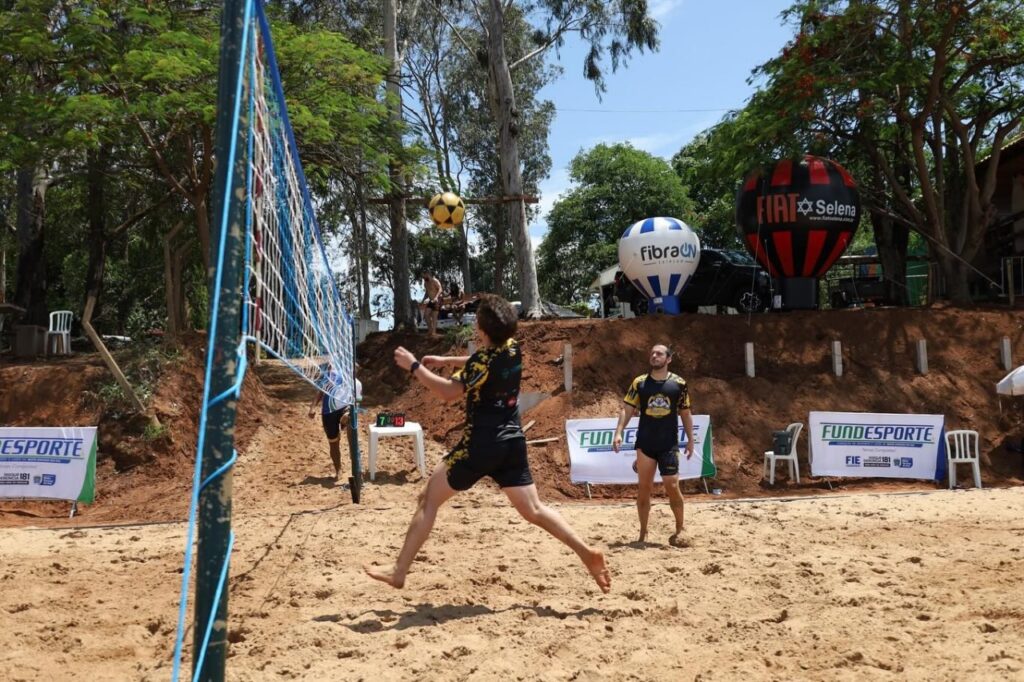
[708, 49]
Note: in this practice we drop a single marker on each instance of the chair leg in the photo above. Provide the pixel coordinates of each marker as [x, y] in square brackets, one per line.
[952, 474]
[771, 475]
[796, 468]
[373, 456]
[421, 463]
[977, 473]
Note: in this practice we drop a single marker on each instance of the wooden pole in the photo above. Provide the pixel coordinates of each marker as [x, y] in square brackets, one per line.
[108, 359]
[567, 367]
[837, 358]
[525, 198]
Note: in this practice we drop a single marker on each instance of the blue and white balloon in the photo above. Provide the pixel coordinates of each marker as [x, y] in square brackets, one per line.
[659, 256]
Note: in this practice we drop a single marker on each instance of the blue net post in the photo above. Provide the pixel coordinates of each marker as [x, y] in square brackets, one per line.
[355, 481]
[228, 256]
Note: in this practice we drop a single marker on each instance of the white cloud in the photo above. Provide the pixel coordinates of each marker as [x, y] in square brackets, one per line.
[660, 9]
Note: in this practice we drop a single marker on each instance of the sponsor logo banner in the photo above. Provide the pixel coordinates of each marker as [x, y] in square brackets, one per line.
[878, 445]
[592, 460]
[55, 463]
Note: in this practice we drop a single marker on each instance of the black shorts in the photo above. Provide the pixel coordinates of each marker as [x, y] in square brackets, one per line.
[504, 461]
[431, 304]
[332, 423]
[668, 460]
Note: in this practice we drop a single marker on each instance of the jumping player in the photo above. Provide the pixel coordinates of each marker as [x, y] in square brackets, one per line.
[658, 395]
[493, 443]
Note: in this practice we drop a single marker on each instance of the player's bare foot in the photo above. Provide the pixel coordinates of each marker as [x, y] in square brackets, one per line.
[643, 536]
[389, 577]
[599, 570]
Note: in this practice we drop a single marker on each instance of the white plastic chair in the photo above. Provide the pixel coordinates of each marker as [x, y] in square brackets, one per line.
[60, 330]
[962, 448]
[770, 457]
[410, 429]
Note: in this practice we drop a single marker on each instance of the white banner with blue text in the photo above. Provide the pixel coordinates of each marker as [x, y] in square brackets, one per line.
[877, 445]
[592, 460]
[55, 463]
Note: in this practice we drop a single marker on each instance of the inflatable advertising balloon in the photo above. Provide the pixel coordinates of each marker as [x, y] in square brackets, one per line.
[797, 218]
[659, 256]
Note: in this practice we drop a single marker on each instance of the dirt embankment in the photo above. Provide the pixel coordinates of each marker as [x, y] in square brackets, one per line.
[793, 377]
[147, 476]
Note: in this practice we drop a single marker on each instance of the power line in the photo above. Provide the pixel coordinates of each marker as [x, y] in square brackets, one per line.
[644, 111]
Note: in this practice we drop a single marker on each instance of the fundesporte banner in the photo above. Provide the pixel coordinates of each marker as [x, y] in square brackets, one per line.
[53, 463]
[877, 445]
[592, 460]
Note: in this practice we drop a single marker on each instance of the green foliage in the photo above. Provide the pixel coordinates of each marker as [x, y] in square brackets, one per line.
[615, 186]
[154, 432]
[459, 336]
[582, 308]
[138, 81]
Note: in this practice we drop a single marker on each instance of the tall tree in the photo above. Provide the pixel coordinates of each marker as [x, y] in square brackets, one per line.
[615, 186]
[617, 29]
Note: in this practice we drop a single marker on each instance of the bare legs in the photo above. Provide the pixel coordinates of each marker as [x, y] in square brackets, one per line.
[645, 468]
[430, 500]
[528, 504]
[335, 456]
[675, 501]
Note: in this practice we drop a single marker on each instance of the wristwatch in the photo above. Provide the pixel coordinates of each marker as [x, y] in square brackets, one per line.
[414, 366]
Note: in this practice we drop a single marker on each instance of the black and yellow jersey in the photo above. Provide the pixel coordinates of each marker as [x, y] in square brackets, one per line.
[491, 377]
[658, 402]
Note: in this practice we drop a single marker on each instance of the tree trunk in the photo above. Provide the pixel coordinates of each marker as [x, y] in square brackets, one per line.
[97, 208]
[954, 273]
[500, 216]
[30, 285]
[363, 252]
[396, 205]
[173, 285]
[467, 272]
[202, 208]
[503, 105]
[892, 238]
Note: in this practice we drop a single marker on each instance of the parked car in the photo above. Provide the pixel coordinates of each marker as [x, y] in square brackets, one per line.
[722, 278]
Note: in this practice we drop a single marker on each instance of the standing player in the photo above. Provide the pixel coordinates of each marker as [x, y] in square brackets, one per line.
[658, 395]
[493, 443]
[335, 412]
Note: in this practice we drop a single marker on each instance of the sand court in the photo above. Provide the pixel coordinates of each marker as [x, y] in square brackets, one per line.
[867, 586]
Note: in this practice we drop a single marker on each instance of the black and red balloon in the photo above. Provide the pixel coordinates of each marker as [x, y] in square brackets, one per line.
[798, 216]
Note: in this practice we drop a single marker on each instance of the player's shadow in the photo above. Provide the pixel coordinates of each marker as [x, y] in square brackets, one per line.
[393, 478]
[428, 615]
[322, 481]
[637, 544]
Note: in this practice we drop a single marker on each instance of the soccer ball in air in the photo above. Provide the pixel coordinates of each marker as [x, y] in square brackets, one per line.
[447, 209]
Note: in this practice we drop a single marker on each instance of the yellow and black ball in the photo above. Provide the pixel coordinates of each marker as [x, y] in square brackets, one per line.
[447, 209]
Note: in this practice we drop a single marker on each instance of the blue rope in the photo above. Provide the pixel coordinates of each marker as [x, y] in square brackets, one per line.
[210, 356]
[216, 600]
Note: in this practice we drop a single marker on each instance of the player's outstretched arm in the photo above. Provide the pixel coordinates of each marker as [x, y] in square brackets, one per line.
[432, 361]
[446, 389]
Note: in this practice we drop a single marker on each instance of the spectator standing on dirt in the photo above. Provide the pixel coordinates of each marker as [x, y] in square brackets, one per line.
[658, 395]
[492, 444]
[335, 412]
[433, 296]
